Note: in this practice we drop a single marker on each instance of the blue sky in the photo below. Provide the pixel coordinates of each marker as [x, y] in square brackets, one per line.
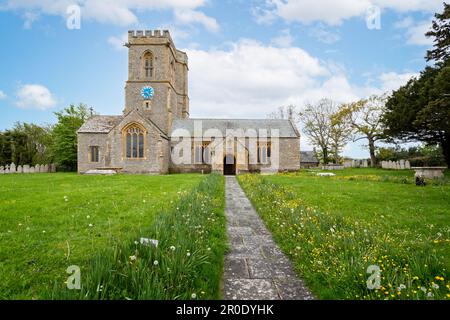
[246, 57]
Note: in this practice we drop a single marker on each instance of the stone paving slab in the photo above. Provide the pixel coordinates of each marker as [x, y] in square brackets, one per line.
[255, 267]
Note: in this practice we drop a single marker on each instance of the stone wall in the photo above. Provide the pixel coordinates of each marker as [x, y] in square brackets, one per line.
[39, 168]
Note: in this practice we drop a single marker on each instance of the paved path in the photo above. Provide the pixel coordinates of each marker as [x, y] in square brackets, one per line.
[255, 267]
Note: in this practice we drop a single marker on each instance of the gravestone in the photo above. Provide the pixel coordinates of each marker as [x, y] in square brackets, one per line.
[347, 164]
[7, 169]
[2, 170]
[32, 170]
[402, 164]
[407, 165]
[365, 164]
[45, 168]
[26, 168]
[19, 169]
[12, 168]
[53, 168]
[384, 165]
[37, 168]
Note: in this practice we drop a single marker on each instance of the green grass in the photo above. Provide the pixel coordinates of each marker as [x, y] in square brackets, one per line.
[186, 264]
[52, 221]
[334, 228]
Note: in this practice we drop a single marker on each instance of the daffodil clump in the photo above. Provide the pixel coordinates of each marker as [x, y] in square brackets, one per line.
[181, 256]
[333, 252]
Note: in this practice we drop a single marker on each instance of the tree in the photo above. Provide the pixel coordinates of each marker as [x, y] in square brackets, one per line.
[340, 135]
[285, 112]
[420, 110]
[365, 118]
[317, 125]
[441, 34]
[64, 149]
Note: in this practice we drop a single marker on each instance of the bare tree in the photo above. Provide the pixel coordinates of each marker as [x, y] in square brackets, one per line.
[365, 118]
[285, 112]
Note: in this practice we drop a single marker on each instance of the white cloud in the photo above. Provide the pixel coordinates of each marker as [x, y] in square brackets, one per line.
[392, 81]
[335, 12]
[35, 96]
[415, 31]
[250, 79]
[2, 95]
[117, 12]
[118, 43]
[285, 39]
[323, 35]
[188, 16]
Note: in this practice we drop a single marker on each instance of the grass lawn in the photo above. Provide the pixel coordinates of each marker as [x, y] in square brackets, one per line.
[52, 221]
[334, 228]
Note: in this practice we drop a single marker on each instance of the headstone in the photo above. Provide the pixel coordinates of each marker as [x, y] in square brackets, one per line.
[2, 170]
[353, 163]
[12, 168]
[19, 169]
[52, 167]
[365, 164]
[407, 165]
[37, 168]
[26, 168]
[7, 169]
[348, 164]
[402, 164]
[32, 169]
[45, 168]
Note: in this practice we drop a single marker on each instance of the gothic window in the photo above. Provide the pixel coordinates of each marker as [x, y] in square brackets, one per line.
[148, 65]
[134, 142]
[94, 154]
[202, 153]
[264, 152]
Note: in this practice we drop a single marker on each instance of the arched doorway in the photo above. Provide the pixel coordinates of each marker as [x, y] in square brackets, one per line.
[229, 165]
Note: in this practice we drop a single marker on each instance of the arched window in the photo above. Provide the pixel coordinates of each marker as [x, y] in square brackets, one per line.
[134, 142]
[148, 65]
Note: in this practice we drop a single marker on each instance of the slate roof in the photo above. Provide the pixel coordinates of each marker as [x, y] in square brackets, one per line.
[308, 157]
[286, 128]
[100, 124]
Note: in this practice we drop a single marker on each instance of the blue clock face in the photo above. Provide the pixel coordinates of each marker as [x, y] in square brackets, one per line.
[147, 93]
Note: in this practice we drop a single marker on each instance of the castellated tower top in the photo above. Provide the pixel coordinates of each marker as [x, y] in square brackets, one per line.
[155, 37]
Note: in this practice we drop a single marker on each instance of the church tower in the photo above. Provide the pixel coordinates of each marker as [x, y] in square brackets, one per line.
[157, 78]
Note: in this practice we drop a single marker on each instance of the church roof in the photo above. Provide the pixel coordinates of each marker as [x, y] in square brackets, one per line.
[285, 127]
[100, 124]
[308, 157]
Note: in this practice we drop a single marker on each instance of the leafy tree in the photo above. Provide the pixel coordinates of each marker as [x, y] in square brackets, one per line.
[326, 132]
[365, 119]
[420, 110]
[64, 148]
[441, 34]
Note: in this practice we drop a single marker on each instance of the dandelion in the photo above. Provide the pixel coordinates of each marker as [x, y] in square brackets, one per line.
[430, 295]
[66, 198]
[133, 258]
[188, 254]
[155, 263]
[209, 249]
[88, 217]
[90, 225]
[172, 248]
[43, 231]
[194, 296]
[435, 286]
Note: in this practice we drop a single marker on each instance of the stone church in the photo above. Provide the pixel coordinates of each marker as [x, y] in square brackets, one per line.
[155, 134]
